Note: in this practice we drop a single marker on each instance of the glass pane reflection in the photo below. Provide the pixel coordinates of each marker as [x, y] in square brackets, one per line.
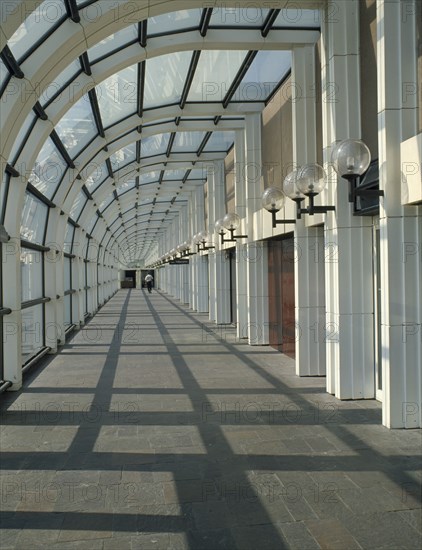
[32, 331]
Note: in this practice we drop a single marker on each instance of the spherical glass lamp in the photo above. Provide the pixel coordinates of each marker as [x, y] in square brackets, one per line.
[273, 199]
[195, 238]
[351, 158]
[231, 221]
[290, 186]
[203, 237]
[311, 179]
[219, 227]
[180, 248]
[187, 245]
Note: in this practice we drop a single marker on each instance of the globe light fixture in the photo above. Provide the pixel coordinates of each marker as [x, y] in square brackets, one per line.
[273, 200]
[229, 223]
[201, 239]
[351, 159]
[307, 181]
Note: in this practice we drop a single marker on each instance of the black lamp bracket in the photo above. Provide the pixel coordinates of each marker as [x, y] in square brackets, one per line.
[233, 237]
[311, 209]
[354, 190]
[275, 221]
[203, 247]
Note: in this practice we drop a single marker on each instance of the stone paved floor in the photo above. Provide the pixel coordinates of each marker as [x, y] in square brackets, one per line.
[153, 429]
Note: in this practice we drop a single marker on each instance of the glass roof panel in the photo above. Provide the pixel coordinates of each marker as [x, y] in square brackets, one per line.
[106, 202]
[77, 128]
[22, 135]
[93, 220]
[67, 247]
[125, 186]
[187, 141]
[124, 156]
[242, 17]
[149, 177]
[78, 206]
[34, 216]
[174, 21]
[36, 25]
[97, 176]
[198, 174]
[165, 78]
[297, 17]
[174, 174]
[264, 75]
[215, 72]
[117, 95]
[154, 145]
[48, 170]
[220, 141]
[4, 73]
[115, 41]
[59, 82]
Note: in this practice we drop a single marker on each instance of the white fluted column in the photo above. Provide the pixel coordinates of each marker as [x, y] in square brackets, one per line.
[309, 241]
[400, 226]
[241, 246]
[349, 330]
[257, 253]
[201, 261]
[219, 272]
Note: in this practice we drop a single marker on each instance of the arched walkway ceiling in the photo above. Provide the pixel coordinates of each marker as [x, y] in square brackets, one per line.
[145, 71]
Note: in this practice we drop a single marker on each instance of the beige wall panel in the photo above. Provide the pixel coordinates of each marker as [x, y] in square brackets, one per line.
[230, 181]
[206, 205]
[368, 74]
[318, 99]
[277, 143]
[419, 83]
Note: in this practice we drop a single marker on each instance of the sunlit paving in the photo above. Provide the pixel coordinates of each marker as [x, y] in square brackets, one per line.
[210, 274]
[215, 449]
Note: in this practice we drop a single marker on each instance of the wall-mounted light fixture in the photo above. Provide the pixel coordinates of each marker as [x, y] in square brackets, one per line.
[273, 200]
[230, 223]
[351, 159]
[184, 249]
[308, 181]
[201, 240]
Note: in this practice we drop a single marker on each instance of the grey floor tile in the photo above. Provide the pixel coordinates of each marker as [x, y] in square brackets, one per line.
[163, 431]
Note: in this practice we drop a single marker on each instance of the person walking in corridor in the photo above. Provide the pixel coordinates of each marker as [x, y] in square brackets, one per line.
[148, 281]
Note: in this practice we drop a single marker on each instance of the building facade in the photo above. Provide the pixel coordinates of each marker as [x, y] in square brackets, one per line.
[126, 131]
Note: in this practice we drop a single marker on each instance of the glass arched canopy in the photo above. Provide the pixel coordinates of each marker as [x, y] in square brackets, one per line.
[126, 152]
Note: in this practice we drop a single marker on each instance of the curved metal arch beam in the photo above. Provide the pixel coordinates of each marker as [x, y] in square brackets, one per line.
[92, 205]
[42, 66]
[123, 13]
[151, 162]
[236, 39]
[149, 189]
[21, 95]
[95, 155]
[45, 57]
[144, 209]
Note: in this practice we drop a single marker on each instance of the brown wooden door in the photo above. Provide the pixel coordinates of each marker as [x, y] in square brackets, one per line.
[281, 285]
